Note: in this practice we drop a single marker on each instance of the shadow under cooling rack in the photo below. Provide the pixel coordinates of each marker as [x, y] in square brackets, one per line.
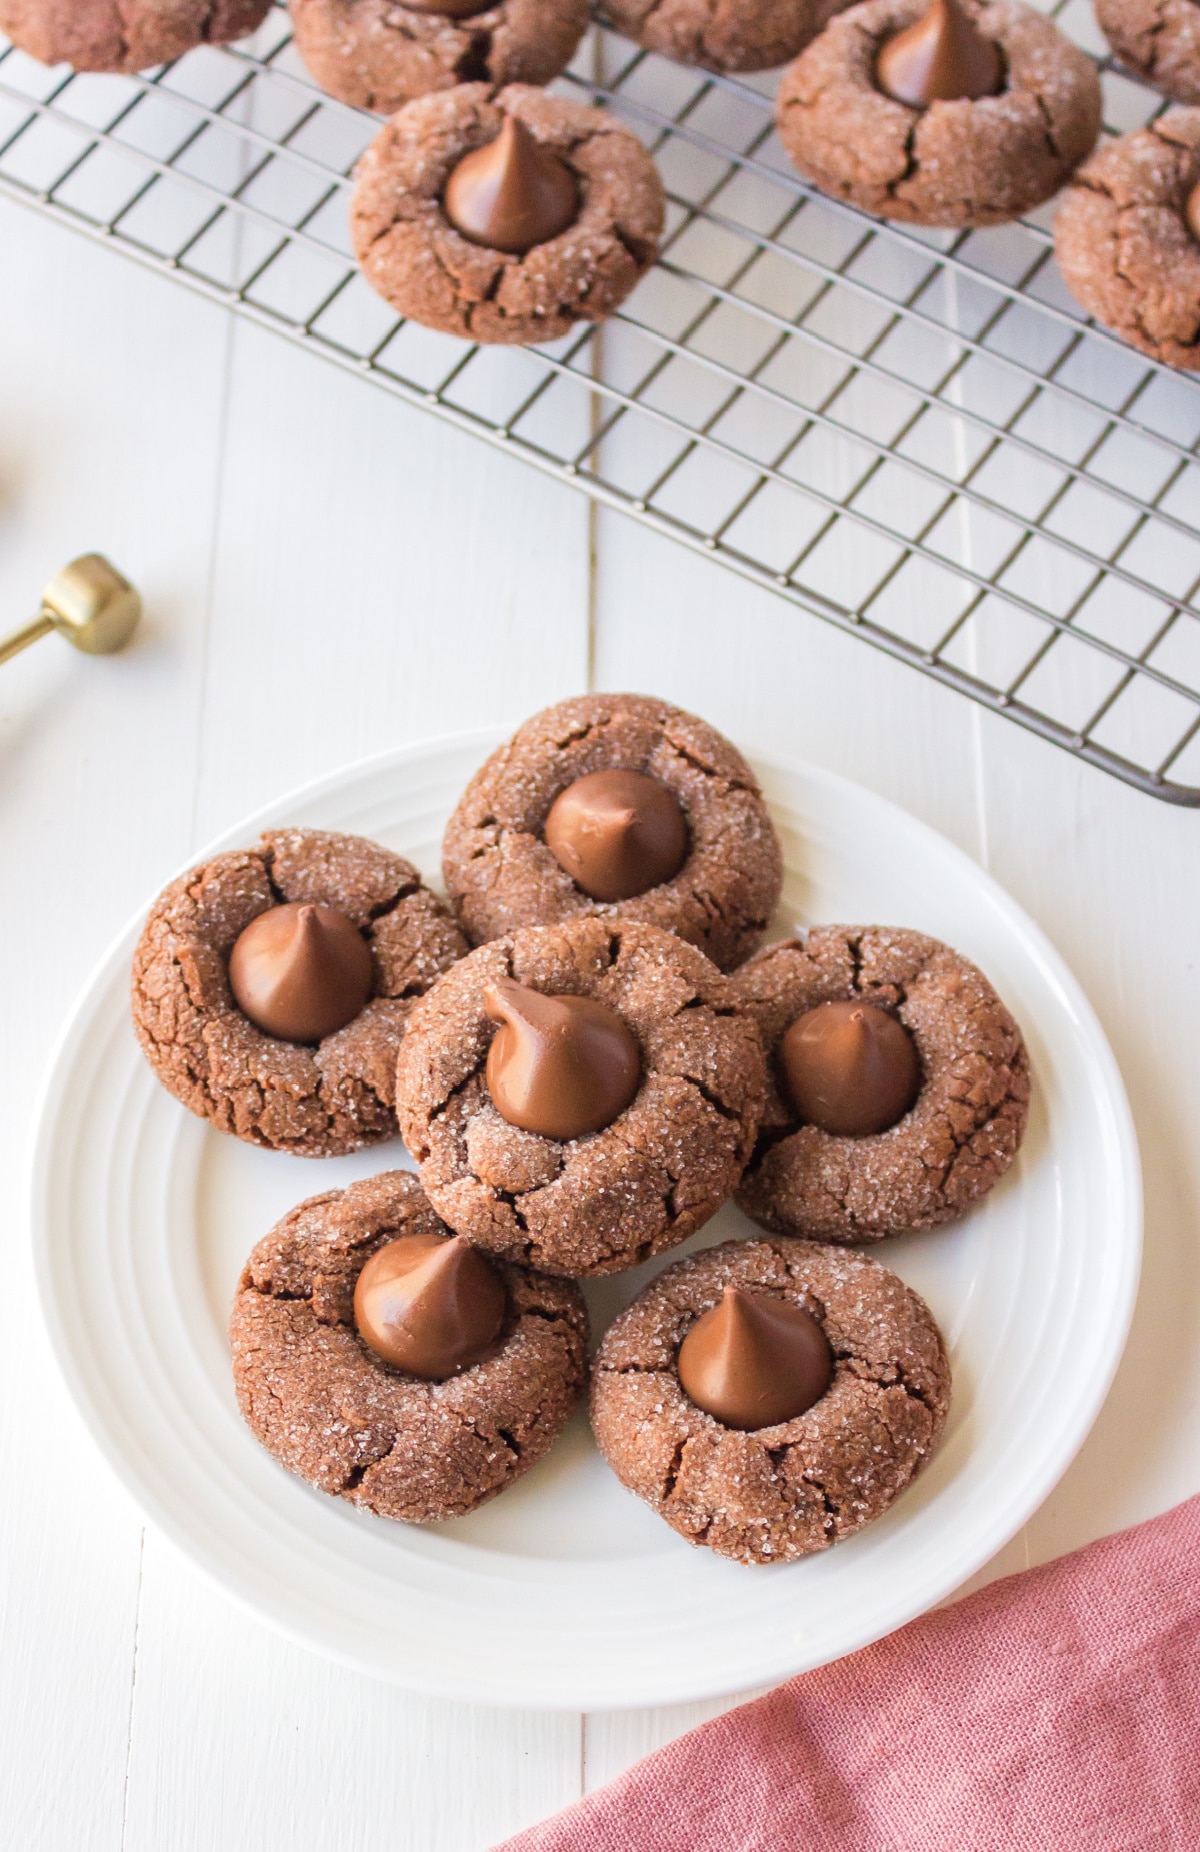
[914, 435]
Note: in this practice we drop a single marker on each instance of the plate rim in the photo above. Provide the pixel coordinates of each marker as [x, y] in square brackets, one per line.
[140, 1486]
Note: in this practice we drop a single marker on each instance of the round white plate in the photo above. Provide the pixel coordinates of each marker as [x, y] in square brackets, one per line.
[568, 1592]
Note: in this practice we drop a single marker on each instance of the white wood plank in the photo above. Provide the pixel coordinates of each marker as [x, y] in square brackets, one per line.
[378, 578]
[1114, 878]
[102, 370]
[614, 1740]
[242, 1740]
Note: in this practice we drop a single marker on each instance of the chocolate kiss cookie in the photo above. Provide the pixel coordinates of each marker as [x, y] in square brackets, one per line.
[418, 260]
[939, 1153]
[334, 1411]
[124, 35]
[379, 54]
[603, 1200]
[316, 1094]
[1159, 39]
[976, 159]
[737, 35]
[506, 865]
[770, 1494]
[1125, 241]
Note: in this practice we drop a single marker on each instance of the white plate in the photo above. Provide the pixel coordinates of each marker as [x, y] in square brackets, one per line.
[568, 1592]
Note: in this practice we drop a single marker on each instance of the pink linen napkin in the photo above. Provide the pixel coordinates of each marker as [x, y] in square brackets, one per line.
[1054, 1711]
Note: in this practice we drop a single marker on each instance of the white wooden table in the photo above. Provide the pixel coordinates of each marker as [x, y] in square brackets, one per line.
[327, 574]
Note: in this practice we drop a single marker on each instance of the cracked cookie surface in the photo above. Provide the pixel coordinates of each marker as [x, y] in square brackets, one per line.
[1159, 39]
[124, 35]
[1122, 242]
[376, 54]
[954, 163]
[500, 875]
[411, 254]
[313, 1101]
[774, 1493]
[721, 35]
[955, 1142]
[606, 1201]
[333, 1412]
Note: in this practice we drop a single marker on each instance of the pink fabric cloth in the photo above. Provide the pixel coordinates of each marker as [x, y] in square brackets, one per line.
[1055, 1711]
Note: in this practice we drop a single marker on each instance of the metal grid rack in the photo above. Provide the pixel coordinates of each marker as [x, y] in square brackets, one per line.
[916, 436]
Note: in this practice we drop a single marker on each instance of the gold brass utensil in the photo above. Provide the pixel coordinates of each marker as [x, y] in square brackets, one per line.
[89, 603]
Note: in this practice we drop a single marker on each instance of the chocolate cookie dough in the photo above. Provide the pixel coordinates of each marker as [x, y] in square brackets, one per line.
[1124, 243]
[953, 1143]
[770, 1494]
[315, 1101]
[379, 54]
[502, 874]
[607, 1199]
[421, 263]
[124, 35]
[1159, 39]
[973, 160]
[333, 1411]
[732, 35]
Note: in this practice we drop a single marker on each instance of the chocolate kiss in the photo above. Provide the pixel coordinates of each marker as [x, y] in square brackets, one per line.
[429, 1305]
[301, 972]
[850, 1069]
[449, 9]
[617, 834]
[513, 193]
[940, 58]
[755, 1360]
[1191, 212]
[561, 1066]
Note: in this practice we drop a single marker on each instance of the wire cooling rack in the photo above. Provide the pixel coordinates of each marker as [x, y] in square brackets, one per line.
[914, 435]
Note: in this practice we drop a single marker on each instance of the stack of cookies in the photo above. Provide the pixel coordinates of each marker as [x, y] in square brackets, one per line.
[587, 1055]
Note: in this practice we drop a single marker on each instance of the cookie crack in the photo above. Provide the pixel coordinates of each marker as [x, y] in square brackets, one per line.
[382, 908]
[724, 779]
[555, 1319]
[488, 1439]
[831, 1510]
[511, 1199]
[474, 63]
[582, 730]
[355, 1475]
[718, 1105]
[890, 1375]
[674, 1468]
[1047, 124]
[911, 163]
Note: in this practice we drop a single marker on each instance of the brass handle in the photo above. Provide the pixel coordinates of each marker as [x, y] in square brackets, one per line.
[89, 603]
